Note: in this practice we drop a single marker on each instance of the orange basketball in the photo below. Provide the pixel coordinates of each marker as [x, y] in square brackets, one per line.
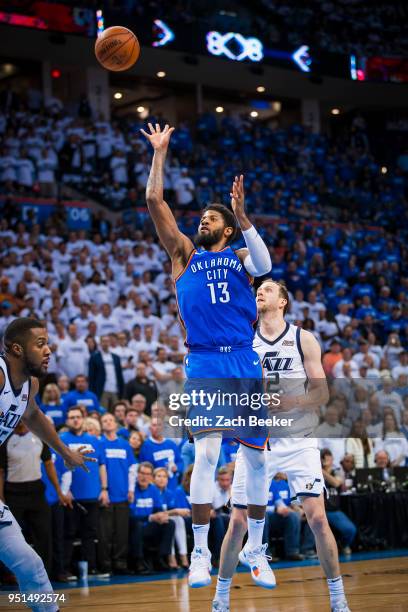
[117, 48]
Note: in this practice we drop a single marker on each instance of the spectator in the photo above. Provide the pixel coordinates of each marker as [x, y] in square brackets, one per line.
[114, 518]
[136, 419]
[346, 366]
[184, 188]
[161, 479]
[281, 518]
[337, 519]
[105, 375]
[92, 426]
[387, 397]
[88, 489]
[52, 406]
[119, 412]
[81, 396]
[149, 524]
[162, 452]
[348, 471]
[402, 368]
[72, 354]
[404, 425]
[330, 428]
[382, 460]
[360, 446]
[331, 358]
[126, 357]
[162, 369]
[143, 385]
[136, 440]
[393, 440]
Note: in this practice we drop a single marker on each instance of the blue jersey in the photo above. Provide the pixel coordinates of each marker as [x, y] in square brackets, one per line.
[50, 492]
[216, 302]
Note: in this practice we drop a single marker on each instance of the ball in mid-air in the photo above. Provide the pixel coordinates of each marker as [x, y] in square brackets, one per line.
[117, 48]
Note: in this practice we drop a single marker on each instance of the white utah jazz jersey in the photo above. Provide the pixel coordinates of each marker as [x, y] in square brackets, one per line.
[12, 404]
[282, 363]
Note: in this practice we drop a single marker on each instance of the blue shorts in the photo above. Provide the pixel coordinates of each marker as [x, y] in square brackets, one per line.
[235, 373]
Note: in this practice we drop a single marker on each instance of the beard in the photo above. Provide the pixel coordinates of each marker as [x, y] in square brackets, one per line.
[208, 239]
[33, 369]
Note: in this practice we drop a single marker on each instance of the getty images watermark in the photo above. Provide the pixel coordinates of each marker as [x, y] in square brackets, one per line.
[223, 405]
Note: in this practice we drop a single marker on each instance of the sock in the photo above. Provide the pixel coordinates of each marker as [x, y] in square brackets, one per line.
[222, 592]
[336, 590]
[255, 532]
[201, 535]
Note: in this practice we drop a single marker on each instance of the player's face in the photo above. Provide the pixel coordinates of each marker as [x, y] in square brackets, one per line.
[37, 353]
[211, 229]
[268, 298]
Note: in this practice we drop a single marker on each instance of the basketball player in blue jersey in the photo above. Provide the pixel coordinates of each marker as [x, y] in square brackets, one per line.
[26, 357]
[217, 308]
[291, 357]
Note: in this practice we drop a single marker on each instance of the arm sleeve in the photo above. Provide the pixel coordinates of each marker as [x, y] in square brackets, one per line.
[46, 453]
[258, 260]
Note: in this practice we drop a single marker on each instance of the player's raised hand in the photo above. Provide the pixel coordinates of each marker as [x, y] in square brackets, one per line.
[77, 458]
[238, 196]
[158, 138]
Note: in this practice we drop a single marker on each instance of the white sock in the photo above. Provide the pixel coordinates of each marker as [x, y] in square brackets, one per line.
[201, 536]
[336, 590]
[222, 592]
[255, 532]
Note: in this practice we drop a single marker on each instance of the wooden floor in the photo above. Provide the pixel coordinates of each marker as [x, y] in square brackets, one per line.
[376, 585]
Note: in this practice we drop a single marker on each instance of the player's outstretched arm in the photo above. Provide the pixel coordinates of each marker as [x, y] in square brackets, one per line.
[255, 257]
[38, 423]
[170, 236]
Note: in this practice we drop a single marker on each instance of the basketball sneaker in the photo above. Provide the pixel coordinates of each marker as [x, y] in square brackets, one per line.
[257, 561]
[200, 568]
[219, 606]
[342, 606]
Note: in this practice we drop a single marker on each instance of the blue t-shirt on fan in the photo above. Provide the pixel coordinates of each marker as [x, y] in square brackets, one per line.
[147, 502]
[86, 486]
[118, 459]
[160, 454]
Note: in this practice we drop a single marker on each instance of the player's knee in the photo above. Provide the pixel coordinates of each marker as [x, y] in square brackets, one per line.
[318, 522]
[30, 569]
[254, 458]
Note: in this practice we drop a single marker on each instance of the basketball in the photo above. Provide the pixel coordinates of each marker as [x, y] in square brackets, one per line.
[117, 48]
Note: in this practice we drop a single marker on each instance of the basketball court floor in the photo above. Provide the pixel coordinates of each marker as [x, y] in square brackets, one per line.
[373, 581]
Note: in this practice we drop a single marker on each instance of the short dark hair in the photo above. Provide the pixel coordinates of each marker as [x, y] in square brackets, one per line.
[228, 216]
[283, 292]
[146, 465]
[18, 331]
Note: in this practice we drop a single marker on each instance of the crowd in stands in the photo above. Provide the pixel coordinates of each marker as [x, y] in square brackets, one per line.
[339, 26]
[108, 301]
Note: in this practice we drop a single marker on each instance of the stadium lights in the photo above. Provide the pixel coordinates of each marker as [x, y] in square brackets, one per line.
[335, 111]
[140, 109]
[219, 109]
[161, 74]
[118, 95]
[253, 114]
[384, 169]
[260, 89]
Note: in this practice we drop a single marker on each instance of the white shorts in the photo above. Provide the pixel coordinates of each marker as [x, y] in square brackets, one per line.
[299, 458]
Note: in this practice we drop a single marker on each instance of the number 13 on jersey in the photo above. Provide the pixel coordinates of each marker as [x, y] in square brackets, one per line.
[219, 292]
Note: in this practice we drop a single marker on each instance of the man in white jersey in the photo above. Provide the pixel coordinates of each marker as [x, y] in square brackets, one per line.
[290, 357]
[27, 355]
